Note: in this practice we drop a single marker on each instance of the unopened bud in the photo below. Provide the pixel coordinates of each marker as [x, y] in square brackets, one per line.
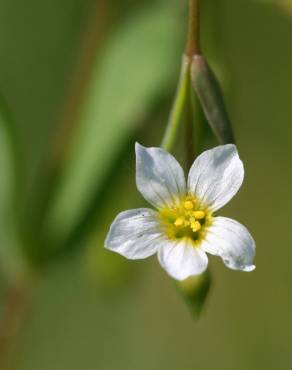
[210, 96]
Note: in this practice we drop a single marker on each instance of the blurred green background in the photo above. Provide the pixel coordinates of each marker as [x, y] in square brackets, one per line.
[82, 80]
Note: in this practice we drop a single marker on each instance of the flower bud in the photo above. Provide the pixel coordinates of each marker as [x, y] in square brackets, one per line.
[195, 290]
[210, 96]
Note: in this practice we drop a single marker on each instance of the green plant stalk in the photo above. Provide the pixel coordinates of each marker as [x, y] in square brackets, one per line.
[183, 99]
[178, 106]
[193, 39]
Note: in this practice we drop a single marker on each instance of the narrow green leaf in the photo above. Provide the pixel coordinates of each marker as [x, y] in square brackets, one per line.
[210, 95]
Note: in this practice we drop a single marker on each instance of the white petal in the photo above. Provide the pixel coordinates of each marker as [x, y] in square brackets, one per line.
[231, 241]
[134, 234]
[181, 259]
[216, 176]
[159, 177]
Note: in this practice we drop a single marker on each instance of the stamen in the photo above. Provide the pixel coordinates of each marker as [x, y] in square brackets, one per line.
[199, 215]
[187, 220]
[179, 221]
[188, 204]
[195, 226]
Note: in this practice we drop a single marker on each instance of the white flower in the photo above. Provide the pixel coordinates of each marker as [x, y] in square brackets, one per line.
[183, 227]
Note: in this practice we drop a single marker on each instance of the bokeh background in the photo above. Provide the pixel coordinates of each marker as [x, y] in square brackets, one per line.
[81, 80]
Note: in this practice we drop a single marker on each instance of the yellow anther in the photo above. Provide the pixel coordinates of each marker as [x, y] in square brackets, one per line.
[188, 204]
[195, 226]
[199, 214]
[179, 221]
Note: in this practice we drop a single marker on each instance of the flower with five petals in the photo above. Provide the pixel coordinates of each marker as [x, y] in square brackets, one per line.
[183, 227]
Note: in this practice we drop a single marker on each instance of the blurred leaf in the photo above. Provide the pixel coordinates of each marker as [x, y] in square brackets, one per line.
[285, 5]
[195, 290]
[107, 269]
[209, 93]
[136, 69]
[12, 262]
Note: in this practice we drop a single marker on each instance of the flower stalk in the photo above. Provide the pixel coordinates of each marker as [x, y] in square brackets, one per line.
[178, 106]
[183, 99]
[193, 39]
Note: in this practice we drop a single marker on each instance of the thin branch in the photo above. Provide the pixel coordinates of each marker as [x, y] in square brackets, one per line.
[92, 37]
[14, 313]
[69, 118]
[193, 39]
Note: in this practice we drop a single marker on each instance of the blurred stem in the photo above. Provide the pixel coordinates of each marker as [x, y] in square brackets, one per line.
[193, 39]
[178, 106]
[93, 35]
[14, 313]
[95, 29]
[286, 5]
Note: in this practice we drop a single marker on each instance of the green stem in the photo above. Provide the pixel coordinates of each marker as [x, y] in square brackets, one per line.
[178, 107]
[183, 90]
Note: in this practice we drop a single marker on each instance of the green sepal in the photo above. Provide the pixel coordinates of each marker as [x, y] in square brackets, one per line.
[195, 290]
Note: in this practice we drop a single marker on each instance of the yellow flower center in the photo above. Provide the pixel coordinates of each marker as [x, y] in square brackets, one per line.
[188, 220]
